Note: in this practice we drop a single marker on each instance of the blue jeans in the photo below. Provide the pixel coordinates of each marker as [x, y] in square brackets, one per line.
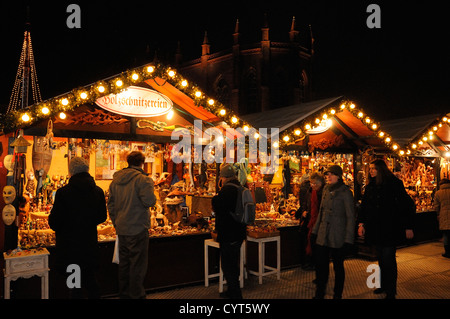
[133, 261]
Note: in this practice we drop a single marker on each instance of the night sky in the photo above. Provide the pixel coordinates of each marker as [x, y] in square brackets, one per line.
[399, 70]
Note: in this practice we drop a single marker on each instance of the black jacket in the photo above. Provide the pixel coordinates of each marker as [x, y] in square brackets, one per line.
[386, 211]
[228, 230]
[79, 207]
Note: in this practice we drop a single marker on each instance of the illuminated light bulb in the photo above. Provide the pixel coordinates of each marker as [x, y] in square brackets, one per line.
[198, 94]
[430, 133]
[388, 139]
[342, 106]
[352, 106]
[408, 152]
[381, 134]
[101, 88]
[64, 102]
[324, 116]
[62, 115]
[374, 126]
[414, 146]
[171, 73]
[360, 114]
[256, 135]
[297, 132]
[211, 102]
[135, 76]
[308, 126]
[25, 117]
[435, 128]
[276, 145]
[444, 119]
[447, 154]
[119, 83]
[222, 112]
[184, 83]
[333, 111]
[395, 146]
[83, 95]
[317, 121]
[45, 110]
[286, 138]
[150, 69]
[234, 119]
[368, 120]
[169, 115]
[402, 152]
[420, 143]
[245, 128]
[425, 138]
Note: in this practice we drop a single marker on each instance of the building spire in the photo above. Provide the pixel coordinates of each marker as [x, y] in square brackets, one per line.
[236, 32]
[205, 46]
[26, 74]
[293, 34]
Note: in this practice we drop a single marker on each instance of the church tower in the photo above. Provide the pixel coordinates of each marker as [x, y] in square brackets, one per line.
[253, 77]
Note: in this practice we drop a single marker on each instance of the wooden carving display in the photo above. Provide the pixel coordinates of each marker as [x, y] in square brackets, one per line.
[95, 117]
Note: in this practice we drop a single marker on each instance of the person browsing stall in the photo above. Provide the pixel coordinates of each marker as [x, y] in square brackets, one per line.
[131, 194]
[230, 233]
[78, 208]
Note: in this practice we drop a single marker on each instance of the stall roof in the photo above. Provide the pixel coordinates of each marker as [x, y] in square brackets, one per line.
[285, 117]
[345, 126]
[422, 135]
[191, 103]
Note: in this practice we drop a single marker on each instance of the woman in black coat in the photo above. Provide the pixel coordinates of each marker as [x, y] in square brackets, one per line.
[386, 218]
[79, 207]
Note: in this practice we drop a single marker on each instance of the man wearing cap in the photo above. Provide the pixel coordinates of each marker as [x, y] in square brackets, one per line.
[230, 234]
[333, 231]
[79, 207]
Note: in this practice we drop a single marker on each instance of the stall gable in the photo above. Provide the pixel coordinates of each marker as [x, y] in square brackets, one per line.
[191, 100]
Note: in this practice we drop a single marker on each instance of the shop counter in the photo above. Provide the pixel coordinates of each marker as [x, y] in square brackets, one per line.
[172, 261]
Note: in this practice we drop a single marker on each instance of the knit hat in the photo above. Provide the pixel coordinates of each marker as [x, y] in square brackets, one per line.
[78, 165]
[335, 169]
[227, 170]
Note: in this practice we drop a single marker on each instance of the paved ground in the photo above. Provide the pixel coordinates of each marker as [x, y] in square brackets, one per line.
[422, 274]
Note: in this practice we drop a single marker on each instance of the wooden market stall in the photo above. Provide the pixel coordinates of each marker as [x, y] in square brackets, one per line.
[150, 108]
[335, 130]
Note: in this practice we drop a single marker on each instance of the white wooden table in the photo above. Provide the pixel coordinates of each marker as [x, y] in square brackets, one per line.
[26, 264]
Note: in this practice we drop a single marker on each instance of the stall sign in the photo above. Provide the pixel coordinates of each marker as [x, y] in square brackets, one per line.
[136, 102]
[323, 126]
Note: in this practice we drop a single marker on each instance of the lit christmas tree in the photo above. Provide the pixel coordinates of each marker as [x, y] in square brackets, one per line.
[26, 73]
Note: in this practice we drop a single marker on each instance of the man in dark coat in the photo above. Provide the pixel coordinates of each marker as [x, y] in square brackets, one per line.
[79, 207]
[230, 233]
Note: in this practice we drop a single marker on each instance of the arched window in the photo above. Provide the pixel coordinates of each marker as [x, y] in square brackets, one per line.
[251, 91]
[222, 90]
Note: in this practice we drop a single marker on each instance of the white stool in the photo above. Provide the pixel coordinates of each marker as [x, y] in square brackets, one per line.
[215, 244]
[261, 257]
[27, 266]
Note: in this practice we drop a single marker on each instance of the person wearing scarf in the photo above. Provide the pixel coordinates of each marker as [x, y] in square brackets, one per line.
[333, 232]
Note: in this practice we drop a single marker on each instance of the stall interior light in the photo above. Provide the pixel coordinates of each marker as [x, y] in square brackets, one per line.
[62, 115]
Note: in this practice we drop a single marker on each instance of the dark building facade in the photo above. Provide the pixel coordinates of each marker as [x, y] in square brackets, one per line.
[255, 77]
